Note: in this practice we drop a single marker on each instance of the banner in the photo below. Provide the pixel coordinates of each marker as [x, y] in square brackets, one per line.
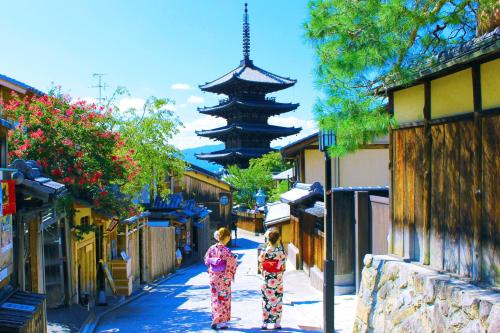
[6, 257]
[8, 197]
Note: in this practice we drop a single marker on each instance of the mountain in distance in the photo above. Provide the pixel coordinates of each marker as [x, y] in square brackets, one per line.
[189, 156]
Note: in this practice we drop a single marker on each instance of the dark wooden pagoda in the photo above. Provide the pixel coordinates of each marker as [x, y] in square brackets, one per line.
[247, 109]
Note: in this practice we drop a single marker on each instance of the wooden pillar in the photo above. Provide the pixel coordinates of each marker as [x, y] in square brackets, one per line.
[390, 107]
[477, 205]
[427, 164]
[362, 241]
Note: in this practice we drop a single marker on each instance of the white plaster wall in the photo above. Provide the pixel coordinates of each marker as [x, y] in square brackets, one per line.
[365, 167]
[314, 166]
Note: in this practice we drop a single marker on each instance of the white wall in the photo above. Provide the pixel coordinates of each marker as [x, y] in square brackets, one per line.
[314, 166]
[365, 167]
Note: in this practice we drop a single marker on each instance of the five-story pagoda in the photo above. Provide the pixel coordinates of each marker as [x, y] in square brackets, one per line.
[247, 109]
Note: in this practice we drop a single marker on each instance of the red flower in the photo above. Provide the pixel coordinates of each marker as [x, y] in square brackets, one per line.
[57, 172]
[67, 180]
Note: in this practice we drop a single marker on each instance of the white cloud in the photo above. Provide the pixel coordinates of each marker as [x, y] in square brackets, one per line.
[187, 138]
[138, 103]
[131, 103]
[181, 86]
[308, 128]
[195, 100]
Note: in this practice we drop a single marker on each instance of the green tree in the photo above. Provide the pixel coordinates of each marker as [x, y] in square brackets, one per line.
[362, 47]
[148, 134]
[258, 175]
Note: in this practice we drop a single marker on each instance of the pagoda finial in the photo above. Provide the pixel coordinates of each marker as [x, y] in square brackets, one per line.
[246, 37]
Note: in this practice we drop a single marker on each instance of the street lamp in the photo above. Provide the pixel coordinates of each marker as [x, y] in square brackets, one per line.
[326, 140]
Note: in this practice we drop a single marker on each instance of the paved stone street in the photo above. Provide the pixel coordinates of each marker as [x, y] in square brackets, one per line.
[182, 303]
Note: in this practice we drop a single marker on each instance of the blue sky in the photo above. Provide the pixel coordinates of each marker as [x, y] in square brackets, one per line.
[161, 48]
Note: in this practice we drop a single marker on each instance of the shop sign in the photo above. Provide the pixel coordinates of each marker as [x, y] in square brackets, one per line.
[6, 256]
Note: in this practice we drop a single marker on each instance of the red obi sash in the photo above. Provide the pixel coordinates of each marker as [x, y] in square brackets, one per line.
[272, 266]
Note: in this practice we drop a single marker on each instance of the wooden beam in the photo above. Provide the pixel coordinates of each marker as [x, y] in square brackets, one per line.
[427, 163]
[477, 207]
[391, 170]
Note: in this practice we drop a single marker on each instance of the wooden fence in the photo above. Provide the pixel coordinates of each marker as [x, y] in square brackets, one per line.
[161, 252]
[445, 181]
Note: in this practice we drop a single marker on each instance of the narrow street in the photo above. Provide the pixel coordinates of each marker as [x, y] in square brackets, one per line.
[182, 303]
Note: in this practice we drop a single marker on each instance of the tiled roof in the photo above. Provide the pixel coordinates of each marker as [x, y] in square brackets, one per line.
[301, 192]
[247, 72]
[318, 209]
[21, 84]
[284, 175]
[277, 212]
[269, 106]
[234, 152]
[251, 128]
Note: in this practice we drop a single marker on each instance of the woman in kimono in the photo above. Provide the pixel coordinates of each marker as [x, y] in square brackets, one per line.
[272, 262]
[222, 266]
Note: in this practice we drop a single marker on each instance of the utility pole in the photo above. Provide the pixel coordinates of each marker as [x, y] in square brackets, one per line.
[101, 86]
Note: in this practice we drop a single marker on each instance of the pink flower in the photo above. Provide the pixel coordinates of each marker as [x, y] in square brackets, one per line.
[268, 292]
[69, 112]
[67, 142]
[37, 134]
[273, 300]
[272, 283]
[280, 289]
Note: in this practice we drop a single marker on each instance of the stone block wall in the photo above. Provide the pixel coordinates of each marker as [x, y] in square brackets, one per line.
[396, 296]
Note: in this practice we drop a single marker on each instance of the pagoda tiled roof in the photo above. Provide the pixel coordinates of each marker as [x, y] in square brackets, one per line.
[234, 153]
[248, 74]
[268, 105]
[266, 129]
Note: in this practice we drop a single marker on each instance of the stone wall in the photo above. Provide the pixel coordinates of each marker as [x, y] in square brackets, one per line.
[396, 296]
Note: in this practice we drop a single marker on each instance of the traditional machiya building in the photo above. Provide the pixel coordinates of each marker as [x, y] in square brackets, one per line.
[445, 176]
[209, 189]
[368, 166]
[362, 174]
[22, 282]
[246, 109]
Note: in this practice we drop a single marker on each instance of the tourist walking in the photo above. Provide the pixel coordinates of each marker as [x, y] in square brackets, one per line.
[272, 260]
[222, 266]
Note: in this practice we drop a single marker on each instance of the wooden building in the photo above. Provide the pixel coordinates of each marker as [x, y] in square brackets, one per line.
[42, 231]
[210, 190]
[247, 134]
[15, 293]
[445, 158]
[368, 166]
[364, 171]
[84, 258]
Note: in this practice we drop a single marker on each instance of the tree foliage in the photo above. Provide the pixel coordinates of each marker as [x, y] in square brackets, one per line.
[259, 175]
[73, 144]
[362, 47]
[148, 133]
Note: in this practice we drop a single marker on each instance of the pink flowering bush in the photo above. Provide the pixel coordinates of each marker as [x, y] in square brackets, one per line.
[72, 142]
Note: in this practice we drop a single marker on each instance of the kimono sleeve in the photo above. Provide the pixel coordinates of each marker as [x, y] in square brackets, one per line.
[231, 264]
[207, 256]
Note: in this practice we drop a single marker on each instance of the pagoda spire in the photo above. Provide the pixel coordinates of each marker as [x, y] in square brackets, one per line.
[246, 37]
